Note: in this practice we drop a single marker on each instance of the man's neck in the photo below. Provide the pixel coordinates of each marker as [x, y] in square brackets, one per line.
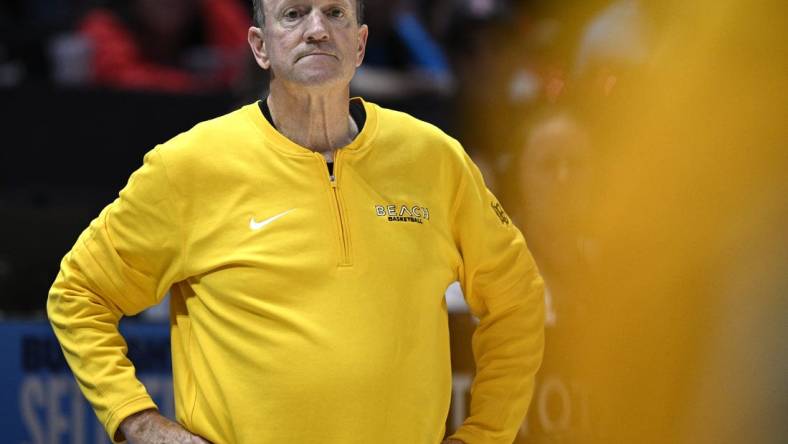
[317, 120]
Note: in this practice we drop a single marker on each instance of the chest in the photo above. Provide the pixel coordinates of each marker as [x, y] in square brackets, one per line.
[300, 222]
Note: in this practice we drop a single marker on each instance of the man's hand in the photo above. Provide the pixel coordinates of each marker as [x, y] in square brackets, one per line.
[149, 427]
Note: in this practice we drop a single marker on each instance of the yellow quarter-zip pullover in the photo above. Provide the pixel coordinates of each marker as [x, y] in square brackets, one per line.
[306, 309]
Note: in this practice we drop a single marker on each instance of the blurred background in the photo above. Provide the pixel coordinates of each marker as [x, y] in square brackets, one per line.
[641, 146]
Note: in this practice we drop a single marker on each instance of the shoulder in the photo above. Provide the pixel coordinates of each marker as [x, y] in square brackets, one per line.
[391, 120]
[426, 152]
[217, 146]
[231, 125]
[419, 138]
[219, 136]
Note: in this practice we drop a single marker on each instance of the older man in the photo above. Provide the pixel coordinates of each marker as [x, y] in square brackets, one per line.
[307, 241]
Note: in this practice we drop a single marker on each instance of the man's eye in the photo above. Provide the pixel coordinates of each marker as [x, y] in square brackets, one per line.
[336, 13]
[291, 14]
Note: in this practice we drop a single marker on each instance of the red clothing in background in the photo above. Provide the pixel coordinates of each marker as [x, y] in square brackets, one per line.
[118, 59]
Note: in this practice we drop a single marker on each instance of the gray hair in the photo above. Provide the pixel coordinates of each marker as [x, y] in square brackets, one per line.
[258, 14]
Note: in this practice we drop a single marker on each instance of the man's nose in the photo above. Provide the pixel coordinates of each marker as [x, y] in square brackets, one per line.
[316, 30]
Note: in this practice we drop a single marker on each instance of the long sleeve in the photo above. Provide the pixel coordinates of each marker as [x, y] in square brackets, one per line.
[124, 262]
[504, 290]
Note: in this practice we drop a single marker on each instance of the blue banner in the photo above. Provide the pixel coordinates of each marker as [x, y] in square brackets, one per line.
[41, 402]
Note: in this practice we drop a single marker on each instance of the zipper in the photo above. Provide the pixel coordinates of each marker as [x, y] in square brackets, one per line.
[344, 234]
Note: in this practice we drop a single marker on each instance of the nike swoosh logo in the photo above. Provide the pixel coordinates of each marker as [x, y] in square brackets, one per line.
[254, 225]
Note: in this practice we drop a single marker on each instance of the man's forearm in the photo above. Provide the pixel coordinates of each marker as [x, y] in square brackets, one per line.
[148, 426]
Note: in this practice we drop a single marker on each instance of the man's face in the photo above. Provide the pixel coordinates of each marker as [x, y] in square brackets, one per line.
[311, 42]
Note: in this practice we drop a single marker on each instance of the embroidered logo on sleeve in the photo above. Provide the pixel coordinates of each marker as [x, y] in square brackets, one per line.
[500, 212]
[403, 213]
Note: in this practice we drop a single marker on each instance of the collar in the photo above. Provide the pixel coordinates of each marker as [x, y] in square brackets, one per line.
[368, 129]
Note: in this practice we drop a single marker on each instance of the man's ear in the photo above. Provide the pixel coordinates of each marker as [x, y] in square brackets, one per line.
[257, 43]
[363, 33]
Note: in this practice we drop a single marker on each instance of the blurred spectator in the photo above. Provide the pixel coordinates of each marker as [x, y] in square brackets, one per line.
[403, 59]
[556, 172]
[618, 43]
[615, 36]
[167, 45]
[506, 74]
[557, 177]
[25, 28]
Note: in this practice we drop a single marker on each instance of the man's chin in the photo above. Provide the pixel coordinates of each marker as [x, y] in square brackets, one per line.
[318, 78]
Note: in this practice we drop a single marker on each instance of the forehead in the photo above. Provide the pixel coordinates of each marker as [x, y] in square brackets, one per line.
[273, 5]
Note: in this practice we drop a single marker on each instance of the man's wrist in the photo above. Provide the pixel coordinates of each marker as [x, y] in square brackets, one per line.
[134, 423]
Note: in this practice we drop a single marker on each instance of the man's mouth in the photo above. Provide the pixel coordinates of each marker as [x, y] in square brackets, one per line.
[317, 53]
